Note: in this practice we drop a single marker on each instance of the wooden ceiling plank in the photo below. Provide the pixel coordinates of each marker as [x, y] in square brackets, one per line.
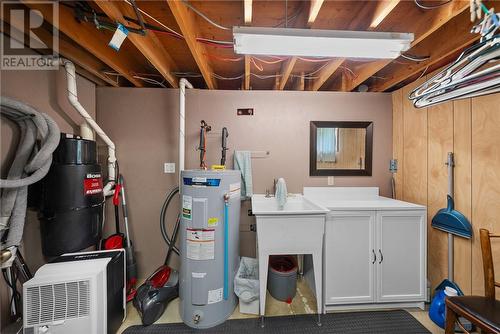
[148, 45]
[85, 35]
[384, 8]
[314, 8]
[286, 70]
[247, 72]
[247, 11]
[186, 21]
[443, 16]
[450, 40]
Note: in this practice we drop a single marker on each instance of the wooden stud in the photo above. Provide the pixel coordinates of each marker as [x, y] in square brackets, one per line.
[436, 20]
[314, 8]
[88, 38]
[187, 23]
[247, 11]
[300, 83]
[286, 70]
[148, 45]
[247, 72]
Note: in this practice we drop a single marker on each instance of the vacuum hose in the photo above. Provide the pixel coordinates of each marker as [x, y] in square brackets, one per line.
[31, 163]
[170, 241]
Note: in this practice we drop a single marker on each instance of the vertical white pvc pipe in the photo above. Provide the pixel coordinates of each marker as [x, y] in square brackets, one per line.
[183, 83]
[73, 99]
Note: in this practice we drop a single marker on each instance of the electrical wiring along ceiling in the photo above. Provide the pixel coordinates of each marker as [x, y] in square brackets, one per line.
[213, 21]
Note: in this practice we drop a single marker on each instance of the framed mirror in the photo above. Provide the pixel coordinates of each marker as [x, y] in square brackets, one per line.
[341, 148]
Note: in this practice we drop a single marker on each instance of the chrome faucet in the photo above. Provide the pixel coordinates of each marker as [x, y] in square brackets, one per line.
[268, 192]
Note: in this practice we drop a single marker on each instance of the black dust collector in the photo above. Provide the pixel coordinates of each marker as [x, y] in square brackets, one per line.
[71, 210]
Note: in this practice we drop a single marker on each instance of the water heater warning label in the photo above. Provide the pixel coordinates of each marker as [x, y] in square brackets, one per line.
[215, 296]
[200, 244]
[187, 207]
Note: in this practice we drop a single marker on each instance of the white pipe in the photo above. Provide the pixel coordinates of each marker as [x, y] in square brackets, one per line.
[183, 83]
[73, 99]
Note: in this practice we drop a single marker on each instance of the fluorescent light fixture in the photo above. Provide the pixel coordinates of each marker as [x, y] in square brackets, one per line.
[320, 43]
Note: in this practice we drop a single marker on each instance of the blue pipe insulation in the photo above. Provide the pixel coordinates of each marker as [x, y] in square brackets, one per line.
[226, 249]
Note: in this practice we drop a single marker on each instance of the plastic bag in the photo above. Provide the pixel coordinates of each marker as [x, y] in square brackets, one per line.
[246, 281]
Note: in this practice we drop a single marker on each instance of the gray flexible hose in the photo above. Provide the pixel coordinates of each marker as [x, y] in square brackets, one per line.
[30, 165]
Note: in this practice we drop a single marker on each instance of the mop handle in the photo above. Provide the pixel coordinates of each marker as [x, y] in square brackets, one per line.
[451, 242]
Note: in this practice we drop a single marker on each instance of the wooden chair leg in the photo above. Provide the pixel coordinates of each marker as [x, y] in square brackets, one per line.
[451, 318]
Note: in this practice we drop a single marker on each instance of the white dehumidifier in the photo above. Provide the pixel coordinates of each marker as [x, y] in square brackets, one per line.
[77, 293]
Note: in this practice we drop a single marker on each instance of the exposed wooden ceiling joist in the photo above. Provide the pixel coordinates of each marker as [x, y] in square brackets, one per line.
[431, 22]
[247, 11]
[449, 40]
[148, 45]
[287, 67]
[86, 36]
[186, 21]
[384, 8]
[314, 8]
[286, 70]
[77, 55]
[247, 72]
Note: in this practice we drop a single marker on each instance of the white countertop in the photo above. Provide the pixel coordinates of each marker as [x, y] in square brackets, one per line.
[355, 198]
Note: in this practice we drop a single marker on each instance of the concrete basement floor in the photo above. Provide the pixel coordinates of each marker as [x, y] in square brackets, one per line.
[303, 303]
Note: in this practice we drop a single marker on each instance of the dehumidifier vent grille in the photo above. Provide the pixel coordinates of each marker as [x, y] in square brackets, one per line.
[48, 303]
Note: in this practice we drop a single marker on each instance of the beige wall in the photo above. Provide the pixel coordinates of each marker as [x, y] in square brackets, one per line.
[46, 91]
[422, 140]
[144, 125]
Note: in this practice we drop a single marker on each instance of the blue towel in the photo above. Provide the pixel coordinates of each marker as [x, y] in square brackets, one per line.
[243, 163]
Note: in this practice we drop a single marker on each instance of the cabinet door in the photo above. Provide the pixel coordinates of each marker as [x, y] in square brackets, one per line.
[349, 257]
[401, 252]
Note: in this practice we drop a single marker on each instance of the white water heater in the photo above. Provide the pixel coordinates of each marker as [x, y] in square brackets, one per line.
[210, 216]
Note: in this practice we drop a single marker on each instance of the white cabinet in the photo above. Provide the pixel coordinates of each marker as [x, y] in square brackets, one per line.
[349, 250]
[401, 248]
[375, 257]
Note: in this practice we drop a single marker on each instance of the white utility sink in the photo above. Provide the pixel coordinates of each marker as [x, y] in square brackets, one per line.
[296, 204]
[296, 228]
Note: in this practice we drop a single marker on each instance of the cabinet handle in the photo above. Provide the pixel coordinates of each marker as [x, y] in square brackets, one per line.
[374, 257]
[381, 256]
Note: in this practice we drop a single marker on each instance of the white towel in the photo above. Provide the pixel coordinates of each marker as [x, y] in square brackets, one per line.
[243, 163]
[281, 192]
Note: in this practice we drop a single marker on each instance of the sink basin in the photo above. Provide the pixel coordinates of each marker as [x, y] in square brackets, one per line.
[295, 205]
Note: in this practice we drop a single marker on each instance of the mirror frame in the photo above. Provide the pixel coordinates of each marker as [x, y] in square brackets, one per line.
[314, 171]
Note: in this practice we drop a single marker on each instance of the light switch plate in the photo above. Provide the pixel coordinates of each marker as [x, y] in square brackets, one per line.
[169, 167]
[331, 181]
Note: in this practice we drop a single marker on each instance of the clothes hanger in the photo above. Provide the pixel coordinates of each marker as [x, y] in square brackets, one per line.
[471, 74]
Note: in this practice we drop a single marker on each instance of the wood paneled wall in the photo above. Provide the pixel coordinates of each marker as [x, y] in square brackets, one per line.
[422, 139]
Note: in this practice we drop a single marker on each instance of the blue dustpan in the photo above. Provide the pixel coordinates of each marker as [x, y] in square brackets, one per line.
[451, 221]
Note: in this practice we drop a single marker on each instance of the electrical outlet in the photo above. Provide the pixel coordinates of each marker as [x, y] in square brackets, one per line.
[169, 167]
[331, 181]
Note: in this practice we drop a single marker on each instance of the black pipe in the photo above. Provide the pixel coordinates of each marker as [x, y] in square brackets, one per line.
[225, 134]
[204, 128]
